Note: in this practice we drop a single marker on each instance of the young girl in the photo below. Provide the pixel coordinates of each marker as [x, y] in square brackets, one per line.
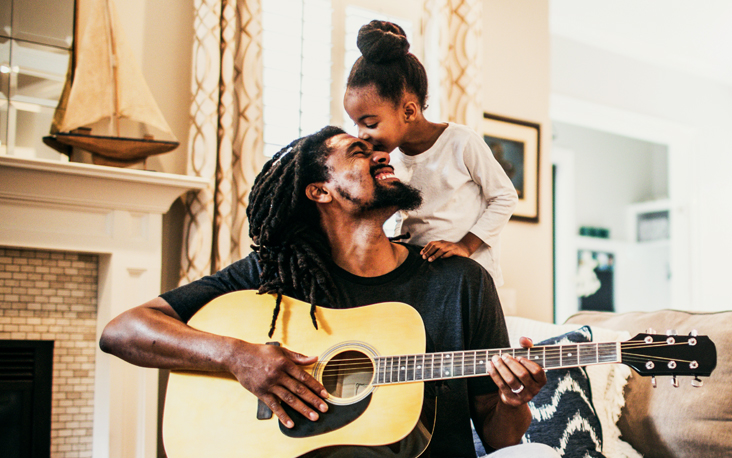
[468, 198]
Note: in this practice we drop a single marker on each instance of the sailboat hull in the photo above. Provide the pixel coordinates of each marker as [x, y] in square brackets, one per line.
[114, 150]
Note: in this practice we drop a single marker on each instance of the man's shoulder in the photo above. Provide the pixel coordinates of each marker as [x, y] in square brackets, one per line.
[452, 265]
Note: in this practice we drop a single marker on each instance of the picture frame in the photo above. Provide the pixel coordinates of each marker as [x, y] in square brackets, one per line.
[516, 144]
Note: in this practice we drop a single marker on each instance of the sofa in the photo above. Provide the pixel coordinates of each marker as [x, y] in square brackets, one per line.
[610, 411]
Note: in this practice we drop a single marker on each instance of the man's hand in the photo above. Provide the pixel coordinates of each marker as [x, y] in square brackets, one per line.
[502, 418]
[274, 375]
[518, 379]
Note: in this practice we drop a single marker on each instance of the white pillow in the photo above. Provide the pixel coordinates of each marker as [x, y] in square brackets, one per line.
[606, 380]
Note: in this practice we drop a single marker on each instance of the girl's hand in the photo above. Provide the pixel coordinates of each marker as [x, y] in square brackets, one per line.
[443, 249]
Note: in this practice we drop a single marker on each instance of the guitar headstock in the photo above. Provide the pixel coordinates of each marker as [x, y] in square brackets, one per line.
[656, 354]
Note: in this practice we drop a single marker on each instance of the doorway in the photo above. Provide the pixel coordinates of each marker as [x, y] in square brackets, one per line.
[605, 186]
[621, 228]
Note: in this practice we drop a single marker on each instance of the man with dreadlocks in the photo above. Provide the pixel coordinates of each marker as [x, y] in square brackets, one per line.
[316, 213]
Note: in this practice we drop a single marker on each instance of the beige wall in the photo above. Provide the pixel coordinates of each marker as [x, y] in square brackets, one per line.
[517, 85]
[160, 33]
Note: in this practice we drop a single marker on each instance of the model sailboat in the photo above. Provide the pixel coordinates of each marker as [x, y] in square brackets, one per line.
[106, 107]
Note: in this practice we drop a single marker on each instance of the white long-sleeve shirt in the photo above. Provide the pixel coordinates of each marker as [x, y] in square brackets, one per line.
[464, 188]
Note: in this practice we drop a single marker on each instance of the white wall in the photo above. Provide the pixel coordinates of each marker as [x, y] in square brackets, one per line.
[517, 85]
[699, 183]
[603, 160]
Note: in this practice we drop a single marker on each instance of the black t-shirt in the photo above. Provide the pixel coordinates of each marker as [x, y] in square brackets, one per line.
[455, 296]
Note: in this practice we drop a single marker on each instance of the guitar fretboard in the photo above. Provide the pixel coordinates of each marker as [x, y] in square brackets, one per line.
[472, 363]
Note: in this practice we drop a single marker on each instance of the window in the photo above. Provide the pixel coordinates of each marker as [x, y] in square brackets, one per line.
[309, 47]
[297, 69]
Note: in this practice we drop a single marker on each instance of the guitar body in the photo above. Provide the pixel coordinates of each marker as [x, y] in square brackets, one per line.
[211, 414]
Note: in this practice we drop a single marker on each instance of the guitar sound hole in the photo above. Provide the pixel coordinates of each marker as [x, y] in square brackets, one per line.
[347, 374]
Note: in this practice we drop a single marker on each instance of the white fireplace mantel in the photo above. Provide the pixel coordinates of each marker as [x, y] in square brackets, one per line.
[117, 214]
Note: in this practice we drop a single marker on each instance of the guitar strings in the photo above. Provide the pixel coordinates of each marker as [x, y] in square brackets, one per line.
[347, 366]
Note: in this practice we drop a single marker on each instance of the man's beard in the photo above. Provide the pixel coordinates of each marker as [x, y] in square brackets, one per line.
[395, 194]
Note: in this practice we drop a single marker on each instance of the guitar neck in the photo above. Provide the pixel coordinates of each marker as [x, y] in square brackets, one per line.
[472, 363]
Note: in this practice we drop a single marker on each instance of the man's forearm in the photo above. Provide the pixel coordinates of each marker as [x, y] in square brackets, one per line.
[152, 336]
[506, 426]
[498, 424]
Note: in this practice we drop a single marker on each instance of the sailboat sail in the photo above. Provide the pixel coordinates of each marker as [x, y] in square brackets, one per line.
[108, 86]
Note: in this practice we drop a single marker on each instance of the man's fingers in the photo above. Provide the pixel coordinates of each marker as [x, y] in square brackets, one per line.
[294, 401]
[298, 374]
[510, 378]
[305, 393]
[525, 342]
[518, 380]
[274, 405]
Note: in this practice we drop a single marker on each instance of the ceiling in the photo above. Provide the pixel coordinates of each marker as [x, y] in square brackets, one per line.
[691, 36]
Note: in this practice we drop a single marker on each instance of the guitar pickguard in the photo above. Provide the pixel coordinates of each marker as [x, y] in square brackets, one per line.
[336, 417]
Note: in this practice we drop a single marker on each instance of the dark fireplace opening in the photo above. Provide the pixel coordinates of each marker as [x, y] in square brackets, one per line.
[26, 376]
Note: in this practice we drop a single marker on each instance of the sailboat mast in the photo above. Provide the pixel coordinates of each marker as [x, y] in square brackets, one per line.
[113, 61]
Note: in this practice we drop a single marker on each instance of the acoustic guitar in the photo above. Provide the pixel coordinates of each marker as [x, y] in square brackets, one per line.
[372, 361]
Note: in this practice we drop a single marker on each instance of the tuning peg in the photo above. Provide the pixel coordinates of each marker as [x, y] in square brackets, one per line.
[674, 382]
[693, 333]
[697, 382]
[671, 332]
[653, 381]
[650, 331]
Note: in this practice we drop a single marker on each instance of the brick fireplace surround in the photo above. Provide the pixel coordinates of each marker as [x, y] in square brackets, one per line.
[79, 244]
[47, 295]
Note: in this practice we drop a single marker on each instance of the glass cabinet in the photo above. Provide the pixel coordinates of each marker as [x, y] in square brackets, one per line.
[36, 40]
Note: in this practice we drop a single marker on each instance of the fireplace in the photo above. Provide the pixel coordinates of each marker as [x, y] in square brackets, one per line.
[25, 398]
[113, 216]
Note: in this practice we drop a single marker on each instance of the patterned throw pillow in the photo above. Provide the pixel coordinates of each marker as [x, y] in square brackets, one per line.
[563, 415]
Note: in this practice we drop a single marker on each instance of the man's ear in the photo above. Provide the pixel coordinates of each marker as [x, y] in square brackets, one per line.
[318, 193]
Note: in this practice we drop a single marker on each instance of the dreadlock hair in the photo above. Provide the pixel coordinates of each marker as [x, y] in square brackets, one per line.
[387, 63]
[285, 225]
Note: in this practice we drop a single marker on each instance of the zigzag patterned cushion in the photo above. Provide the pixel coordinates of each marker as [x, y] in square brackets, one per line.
[563, 416]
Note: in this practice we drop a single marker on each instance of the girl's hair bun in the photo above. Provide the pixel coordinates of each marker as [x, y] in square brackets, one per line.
[382, 41]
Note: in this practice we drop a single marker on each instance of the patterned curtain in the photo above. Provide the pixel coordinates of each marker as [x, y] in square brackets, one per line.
[226, 137]
[459, 24]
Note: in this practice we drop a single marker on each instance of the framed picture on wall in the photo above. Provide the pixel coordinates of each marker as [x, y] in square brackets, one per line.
[515, 144]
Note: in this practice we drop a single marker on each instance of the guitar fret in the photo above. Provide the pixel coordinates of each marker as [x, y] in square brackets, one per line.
[587, 354]
[418, 367]
[446, 367]
[521, 353]
[410, 368]
[382, 370]
[401, 374]
[470, 363]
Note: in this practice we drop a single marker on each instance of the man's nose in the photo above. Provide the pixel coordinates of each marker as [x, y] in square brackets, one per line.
[380, 157]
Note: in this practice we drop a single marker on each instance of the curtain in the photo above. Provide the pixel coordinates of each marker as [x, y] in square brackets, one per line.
[226, 136]
[459, 26]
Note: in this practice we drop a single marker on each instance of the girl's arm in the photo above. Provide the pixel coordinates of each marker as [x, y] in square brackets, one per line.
[497, 190]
